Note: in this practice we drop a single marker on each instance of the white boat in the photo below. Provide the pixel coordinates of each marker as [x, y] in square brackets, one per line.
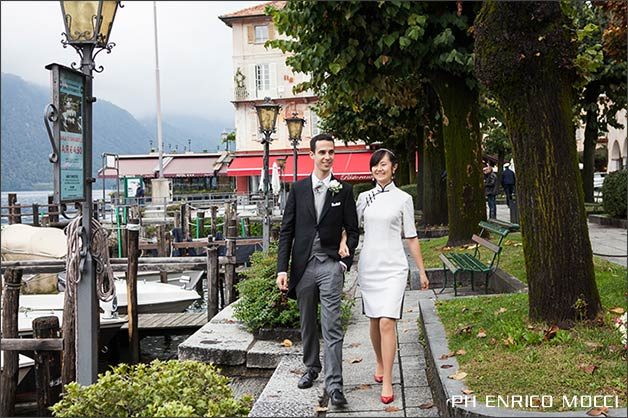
[186, 280]
[26, 316]
[151, 298]
[25, 365]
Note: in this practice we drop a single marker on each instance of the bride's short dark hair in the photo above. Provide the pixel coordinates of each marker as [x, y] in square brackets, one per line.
[379, 154]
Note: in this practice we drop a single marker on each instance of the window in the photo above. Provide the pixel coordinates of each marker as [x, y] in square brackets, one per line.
[262, 77]
[314, 123]
[261, 34]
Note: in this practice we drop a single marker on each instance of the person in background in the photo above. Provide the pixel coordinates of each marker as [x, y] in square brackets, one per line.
[139, 194]
[490, 189]
[508, 183]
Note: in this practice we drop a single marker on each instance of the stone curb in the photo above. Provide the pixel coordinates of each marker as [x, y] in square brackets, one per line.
[444, 389]
[608, 221]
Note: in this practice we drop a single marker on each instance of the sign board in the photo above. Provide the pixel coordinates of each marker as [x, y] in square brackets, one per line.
[68, 98]
[131, 185]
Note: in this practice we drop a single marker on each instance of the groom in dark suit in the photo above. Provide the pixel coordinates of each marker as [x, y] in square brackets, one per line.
[319, 207]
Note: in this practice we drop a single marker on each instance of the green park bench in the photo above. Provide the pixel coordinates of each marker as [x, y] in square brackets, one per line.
[458, 263]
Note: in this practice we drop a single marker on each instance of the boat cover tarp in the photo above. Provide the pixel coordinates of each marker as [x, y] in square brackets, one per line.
[25, 242]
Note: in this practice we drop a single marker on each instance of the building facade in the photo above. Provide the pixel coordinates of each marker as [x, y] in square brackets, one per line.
[260, 72]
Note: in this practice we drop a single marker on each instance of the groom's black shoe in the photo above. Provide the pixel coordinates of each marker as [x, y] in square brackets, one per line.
[307, 380]
[337, 398]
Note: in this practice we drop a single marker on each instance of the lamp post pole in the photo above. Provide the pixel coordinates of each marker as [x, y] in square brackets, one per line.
[295, 156]
[86, 304]
[266, 218]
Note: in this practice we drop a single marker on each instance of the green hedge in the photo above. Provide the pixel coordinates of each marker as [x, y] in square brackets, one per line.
[262, 305]
[361, 187]
[159, 389]
[614, 193]
[411, 190]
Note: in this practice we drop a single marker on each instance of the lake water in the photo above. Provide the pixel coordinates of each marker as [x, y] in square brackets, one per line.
[40, 197]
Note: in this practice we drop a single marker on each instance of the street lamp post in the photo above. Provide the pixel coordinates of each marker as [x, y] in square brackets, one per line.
[295, 127]
[267, 117]
[87, 28]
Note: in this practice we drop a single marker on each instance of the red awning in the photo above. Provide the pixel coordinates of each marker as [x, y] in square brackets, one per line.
[347, 166]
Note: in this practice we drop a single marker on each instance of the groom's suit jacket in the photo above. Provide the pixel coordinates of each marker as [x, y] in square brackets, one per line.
[299, 227]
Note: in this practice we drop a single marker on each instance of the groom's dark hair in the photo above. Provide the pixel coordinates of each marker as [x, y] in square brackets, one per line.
[319, 137]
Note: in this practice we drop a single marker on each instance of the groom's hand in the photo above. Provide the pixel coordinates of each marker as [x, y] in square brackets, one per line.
[282, 281]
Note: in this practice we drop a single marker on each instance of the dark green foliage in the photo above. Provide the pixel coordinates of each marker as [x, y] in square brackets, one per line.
[361, 187]
[614, 192]
[261, 304]
[411, 190]
[159, 389]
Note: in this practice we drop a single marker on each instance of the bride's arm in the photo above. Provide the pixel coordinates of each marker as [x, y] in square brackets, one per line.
[343, 249]
[415, 251]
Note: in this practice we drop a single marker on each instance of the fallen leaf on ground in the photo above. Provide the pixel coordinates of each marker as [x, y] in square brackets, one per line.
[296, 371]
[353, 345]
[446, 366]
[517, 244]
[530, 326]
[364, 386]
[391, 409]
[618, 310]
[355, 360]
[467, 391]
[321, 409]
[481, 333]
[464, 309]
[550, 333]
[426, 405]
[461, 352]
[493, 341]
[444, 357]
[458, 376]
[587, 368]
[464, 330]
[405, 330]
[410, 310]
[451, 354]
[287, 343]
[509, 341]
[593, 346]
[597, 411]
[500, 311]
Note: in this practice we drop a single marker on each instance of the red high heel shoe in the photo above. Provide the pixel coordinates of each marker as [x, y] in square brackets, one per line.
[387, 399]
[378, 379]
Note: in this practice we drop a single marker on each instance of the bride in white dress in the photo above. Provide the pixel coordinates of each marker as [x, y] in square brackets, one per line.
[388, 215]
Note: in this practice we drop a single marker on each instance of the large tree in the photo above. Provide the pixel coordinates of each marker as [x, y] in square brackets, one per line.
[525, 57]
[360, 51]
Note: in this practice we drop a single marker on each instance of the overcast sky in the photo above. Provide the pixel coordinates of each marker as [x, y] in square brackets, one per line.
[195, 54]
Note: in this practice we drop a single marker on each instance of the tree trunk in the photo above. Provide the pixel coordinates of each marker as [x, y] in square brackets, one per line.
[463, 157]
[500, 167]
[590, 140]
[432, 162]
[524, 55]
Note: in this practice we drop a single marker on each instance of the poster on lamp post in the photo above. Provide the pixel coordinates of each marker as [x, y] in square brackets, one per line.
[68, 94]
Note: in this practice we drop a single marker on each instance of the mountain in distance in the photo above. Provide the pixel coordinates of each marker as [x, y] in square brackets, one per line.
[24, 143]
[177, 130]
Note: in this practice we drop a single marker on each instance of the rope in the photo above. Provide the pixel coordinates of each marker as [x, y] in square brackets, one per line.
[105, 288]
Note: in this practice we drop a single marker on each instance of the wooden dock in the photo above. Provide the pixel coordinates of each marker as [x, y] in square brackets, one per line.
[169, 323]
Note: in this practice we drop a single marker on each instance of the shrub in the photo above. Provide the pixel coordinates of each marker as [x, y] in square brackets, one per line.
[361, 187]
[614, 193]
[170, 388]
[411, 190]
[262, 305]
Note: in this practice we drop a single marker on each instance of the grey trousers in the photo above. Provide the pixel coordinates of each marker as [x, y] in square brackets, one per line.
[322, 281]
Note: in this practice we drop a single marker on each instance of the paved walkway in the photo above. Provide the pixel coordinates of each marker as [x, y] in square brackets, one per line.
[605, 240]
[412, 392]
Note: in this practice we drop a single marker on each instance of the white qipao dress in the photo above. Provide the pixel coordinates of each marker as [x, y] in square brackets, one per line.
[388, 215]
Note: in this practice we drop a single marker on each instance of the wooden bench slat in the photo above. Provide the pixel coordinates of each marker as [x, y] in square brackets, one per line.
[487, 244]
[450, 266]
[495, 228]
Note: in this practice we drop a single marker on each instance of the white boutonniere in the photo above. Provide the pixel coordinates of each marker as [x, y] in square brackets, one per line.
[335, 186]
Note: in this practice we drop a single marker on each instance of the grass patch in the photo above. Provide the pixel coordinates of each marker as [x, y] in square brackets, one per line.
[514, 359]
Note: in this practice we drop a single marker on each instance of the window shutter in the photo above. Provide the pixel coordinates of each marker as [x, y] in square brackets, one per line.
[251, 33]
[252, 83]
[271, 31]
[273, 78]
